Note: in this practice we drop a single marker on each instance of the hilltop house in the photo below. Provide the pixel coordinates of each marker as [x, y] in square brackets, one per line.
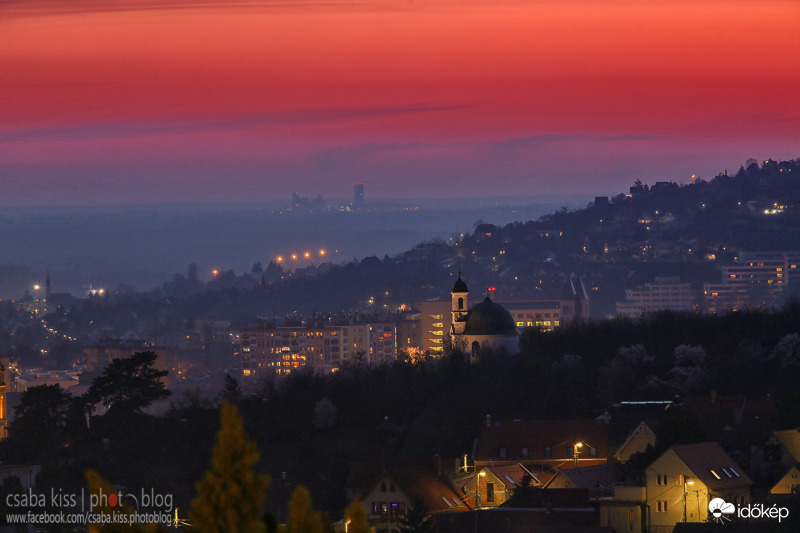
[678, 488]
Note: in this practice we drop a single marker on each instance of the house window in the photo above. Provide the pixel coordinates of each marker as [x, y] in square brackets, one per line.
[525, 452]
[461, 303]
[630, 520]
[383, 486]
[398, 509]
[503, 453]
[548, 451]
[570, 451]
[490, 492]
[391, 487]
[661, 506]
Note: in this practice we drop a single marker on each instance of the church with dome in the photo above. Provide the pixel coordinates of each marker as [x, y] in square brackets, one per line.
[488, 325]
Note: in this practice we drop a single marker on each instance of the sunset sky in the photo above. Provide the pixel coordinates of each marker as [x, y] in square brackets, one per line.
[126, 102]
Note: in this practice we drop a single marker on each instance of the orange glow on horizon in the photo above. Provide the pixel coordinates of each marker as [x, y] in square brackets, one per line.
[273, 85]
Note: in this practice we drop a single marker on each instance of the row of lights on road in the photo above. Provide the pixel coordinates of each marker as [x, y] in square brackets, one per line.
[305, 255]
[291, 257]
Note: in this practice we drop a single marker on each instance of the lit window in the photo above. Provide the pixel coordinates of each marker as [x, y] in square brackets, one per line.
[714, 473]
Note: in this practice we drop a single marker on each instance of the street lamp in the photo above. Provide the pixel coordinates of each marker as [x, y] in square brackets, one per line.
[478, 477]
[686, 481]
[576, 452]
[346, 523]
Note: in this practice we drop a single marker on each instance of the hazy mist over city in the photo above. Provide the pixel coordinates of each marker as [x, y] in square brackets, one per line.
[143, 246]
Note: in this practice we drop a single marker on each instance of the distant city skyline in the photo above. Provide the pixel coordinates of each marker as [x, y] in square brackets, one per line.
[143, 102]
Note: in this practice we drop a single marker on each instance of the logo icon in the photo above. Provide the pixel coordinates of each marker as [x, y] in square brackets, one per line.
[719, 508]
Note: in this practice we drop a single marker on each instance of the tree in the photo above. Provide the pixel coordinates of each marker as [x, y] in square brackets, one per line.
[689, 375]
[411, 355]
[356, 518]
[621, 376]
[324, 414]
[128, 385]
[417, 520]
[39, 426]
[230, 496]
[787, 351]
[231, 391]
[302, 517]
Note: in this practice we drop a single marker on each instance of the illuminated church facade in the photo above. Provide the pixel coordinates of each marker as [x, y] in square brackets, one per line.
[486, 326]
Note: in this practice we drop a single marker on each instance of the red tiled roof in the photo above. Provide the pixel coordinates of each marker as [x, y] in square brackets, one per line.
[511, 475]
[592, 477]
[535, 435]
[706, 459]
[418, 478]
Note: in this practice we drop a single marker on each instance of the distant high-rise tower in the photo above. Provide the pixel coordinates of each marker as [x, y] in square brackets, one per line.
[358, 191]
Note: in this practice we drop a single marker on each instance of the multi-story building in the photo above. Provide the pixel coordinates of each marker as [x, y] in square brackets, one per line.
[358, 194]
[666, 294]
[436, 318]
[763, 268]
[279, 348]
[757, 279]
[719, 298]
[107, 350]
[435, 323]
[544, 314]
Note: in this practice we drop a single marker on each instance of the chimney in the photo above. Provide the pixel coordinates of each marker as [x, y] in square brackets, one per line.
[488, 421]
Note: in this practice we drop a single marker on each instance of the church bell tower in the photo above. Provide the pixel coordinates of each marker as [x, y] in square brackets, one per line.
[460, 305]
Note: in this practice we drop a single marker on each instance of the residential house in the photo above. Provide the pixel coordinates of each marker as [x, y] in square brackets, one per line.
[678, 488]
[632, 427]
[789, 483]
[396, 484]
[542, 445]
[599, 479]
[773, 460]
[737, 423]
[495, 484]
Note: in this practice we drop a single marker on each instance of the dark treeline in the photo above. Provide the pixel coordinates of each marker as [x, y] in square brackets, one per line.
[312, 426]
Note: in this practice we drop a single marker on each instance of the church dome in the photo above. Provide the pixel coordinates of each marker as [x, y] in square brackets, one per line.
[489, 318]
[459, 285]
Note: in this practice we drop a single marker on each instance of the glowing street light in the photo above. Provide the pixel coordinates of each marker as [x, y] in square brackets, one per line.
[576, 452]
[307, 255]
[322, 252]
[215, 272]
[294, 257]
[280, 259]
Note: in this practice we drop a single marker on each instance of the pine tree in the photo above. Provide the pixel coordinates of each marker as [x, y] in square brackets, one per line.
[230, 495]
[356, 518]
[302, 517]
